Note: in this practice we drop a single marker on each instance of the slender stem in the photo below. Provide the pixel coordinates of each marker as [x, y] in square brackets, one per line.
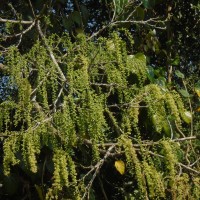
[62, 76]
[15, 21]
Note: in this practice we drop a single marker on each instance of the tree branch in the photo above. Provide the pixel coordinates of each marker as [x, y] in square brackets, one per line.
[15, 21]
[23, 32]
[96, 168]
[62, 76]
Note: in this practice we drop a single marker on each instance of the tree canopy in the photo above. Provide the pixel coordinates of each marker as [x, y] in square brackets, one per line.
[99, 99]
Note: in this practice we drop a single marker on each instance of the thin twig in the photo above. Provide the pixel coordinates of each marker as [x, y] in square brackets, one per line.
[32, 8]
[58, 97]
[102, 188]
[189, 168]
[15, 21]
[195, 162]
[182, 165]
[191, 110]
[62, 76]
[39, 84]
[23, 32]
[96, 168]
[147, 22]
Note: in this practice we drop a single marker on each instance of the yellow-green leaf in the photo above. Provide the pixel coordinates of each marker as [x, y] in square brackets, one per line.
[198, 109]
[39, 191]
[187, 117]
[197, 90]
[120, 166]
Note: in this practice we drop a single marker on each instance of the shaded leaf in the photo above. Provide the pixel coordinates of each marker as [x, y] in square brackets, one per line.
[184, 93]
[161, 81]
[76, 17]
[84, 13]
[139, 14]
[39, 191]
[150, 3]
[11, 184]
[119, 5]
[179, 74]
[176, 61]
[150, 74]
[67, 23]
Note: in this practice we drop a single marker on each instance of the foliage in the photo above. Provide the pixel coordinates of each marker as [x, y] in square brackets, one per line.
[80, 112]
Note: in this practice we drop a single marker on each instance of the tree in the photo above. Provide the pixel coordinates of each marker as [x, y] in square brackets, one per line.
[82, 109]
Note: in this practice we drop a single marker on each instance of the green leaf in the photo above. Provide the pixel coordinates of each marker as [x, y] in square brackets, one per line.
[11, 184]
[84, 13]
[161, 81]
[67, 23]
[187, 117]
[184, 93]
[76, 17]
[150, 73]
[139, 13]
[197, 90]
[166, 128]
[176, 61]
[140, 56]
[39, 191]
[179, 74]
[150, 3]
[119, 5]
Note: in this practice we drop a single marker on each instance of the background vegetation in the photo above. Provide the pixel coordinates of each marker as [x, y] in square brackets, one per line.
[99, 99]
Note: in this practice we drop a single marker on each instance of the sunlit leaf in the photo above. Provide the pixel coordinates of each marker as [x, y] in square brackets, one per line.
[140, 56]
[187, 117]
[120, 166]
[198, 109]
[197, 90]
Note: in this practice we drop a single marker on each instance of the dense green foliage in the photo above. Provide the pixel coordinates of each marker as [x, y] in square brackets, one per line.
[87, 110]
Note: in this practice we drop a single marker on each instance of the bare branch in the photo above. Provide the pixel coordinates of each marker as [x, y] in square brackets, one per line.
[62, 76]
[147, 22]
[182, 165]
[144, 22]
[23, 32]
[185, 138]
[102, 188]
[189, 168]
[15, 21]
[32, 8]
[96, 168]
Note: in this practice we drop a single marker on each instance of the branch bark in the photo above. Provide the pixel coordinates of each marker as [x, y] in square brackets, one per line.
[15, 21]
[62, 76]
